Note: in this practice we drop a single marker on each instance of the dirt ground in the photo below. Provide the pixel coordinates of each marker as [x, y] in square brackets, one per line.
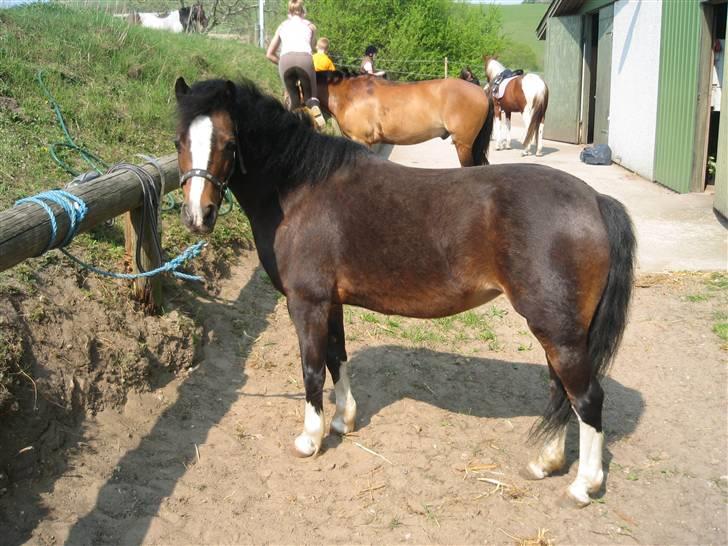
[444, 411]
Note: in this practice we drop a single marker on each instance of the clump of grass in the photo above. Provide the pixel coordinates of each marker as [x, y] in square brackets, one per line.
[720, 328]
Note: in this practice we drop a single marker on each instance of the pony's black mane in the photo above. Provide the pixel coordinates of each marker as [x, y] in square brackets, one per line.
[282, 146]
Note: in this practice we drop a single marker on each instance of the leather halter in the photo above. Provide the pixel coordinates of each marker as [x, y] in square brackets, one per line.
[221, 185]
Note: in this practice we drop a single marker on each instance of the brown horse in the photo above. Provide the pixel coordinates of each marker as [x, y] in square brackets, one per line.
[334, 224]
[370, 110]
[527, 94]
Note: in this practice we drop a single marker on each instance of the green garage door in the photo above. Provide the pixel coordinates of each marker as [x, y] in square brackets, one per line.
[677, 104]
[563, 65]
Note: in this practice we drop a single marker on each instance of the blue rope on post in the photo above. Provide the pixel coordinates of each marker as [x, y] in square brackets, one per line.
[76, 209]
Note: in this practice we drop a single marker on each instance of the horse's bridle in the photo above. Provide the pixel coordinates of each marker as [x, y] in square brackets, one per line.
[221, 185]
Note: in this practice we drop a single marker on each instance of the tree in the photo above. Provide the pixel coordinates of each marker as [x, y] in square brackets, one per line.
[413, 36]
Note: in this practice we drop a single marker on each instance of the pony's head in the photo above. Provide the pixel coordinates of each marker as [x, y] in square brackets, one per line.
[207, 149]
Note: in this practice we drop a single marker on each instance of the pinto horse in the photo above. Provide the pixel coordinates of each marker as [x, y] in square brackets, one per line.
[335, 224]
[370, 110]
[188, 19]
[527, 94]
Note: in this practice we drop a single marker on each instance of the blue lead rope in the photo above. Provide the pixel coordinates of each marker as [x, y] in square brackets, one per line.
[76, 210]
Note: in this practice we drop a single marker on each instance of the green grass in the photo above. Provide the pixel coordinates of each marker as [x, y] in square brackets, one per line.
[519, 26]
[114, 84]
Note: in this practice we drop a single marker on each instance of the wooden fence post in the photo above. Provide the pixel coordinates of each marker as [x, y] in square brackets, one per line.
[147, 290]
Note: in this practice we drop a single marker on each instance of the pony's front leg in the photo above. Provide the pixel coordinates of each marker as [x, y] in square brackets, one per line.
[344, 420]
[311, 322]
[497, 131]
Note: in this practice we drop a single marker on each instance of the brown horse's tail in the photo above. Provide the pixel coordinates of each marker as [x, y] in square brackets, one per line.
[540, 103]
[482, 141]
[610, 317]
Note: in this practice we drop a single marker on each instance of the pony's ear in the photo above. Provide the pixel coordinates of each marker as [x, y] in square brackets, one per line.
[181, 88]
[230, 91]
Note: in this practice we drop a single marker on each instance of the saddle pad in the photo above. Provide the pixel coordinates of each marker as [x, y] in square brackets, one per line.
[502, 87]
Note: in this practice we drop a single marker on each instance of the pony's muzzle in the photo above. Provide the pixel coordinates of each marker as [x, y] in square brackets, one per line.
[199, 224]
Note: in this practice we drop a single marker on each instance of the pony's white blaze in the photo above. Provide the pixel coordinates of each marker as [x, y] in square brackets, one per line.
[345, 416]
[590, 474]
[200, 135]
[309, 441]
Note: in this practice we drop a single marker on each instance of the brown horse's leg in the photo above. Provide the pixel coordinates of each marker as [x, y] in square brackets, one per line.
[465, 154]
[311, 322]
[552, 456]
[345, 417]
[571, 365]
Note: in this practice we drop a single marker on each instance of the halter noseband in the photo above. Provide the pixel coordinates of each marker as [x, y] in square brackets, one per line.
[221, 185]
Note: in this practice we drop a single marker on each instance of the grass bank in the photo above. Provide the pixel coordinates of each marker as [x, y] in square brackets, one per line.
[114, 83]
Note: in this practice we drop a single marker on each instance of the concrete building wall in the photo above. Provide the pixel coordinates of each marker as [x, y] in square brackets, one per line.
[634, 85]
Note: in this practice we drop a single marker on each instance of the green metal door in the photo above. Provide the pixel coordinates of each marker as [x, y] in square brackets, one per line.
[720, 201]
[563, 64]
[677, 102]
[604, 75]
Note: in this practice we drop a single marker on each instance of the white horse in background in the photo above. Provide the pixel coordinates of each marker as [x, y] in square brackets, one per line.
[527, 94]
[189, 19]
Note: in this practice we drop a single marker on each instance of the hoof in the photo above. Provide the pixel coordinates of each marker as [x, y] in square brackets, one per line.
[304, 447]
[539, 154]
[569, 502]
[532, 472]
[525, 153]
[508, 146]
[340, 427]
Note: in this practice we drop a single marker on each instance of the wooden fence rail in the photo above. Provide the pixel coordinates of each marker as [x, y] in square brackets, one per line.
[25, 229]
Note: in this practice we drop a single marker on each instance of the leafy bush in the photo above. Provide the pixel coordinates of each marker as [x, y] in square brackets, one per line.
[413, 36]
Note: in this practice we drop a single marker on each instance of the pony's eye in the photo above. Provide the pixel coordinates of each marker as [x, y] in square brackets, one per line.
[230, 146]
[176, 144]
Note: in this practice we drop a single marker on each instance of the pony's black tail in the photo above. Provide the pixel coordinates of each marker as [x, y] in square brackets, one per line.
[610, 318]
[540, 103]
[482, 141]
[609, 321]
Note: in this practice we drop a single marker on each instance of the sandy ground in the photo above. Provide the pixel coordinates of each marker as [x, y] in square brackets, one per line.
[444, 413]
[443, 418]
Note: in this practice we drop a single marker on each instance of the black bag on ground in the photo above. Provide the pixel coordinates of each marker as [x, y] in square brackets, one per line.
[599, 154]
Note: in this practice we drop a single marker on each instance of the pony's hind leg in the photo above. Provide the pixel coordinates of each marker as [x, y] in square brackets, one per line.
[508, 131]
[527, 113]
[311, 322]
[553, 428]
[570, 362]
[539, 141]
[344, 420]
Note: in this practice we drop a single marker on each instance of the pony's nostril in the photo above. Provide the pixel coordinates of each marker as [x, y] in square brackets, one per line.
[209, 215]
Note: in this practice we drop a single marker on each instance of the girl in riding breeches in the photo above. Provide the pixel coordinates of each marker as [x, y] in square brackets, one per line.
[295, 37]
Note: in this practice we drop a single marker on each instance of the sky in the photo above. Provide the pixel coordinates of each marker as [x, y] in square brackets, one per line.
[11, 3]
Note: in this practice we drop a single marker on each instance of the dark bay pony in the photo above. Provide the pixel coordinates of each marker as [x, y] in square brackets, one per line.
[370, 110]
[334, 224]
[525, 93]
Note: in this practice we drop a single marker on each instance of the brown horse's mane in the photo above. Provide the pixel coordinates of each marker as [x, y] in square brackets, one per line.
[276, 145]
